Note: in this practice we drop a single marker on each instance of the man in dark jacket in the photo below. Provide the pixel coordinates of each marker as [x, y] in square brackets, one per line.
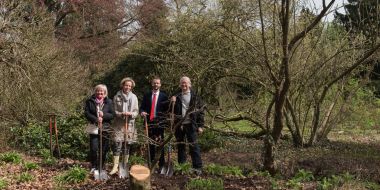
[189, 112]
[153, 108]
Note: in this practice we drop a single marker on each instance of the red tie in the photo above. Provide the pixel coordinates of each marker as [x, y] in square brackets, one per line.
[151, 116]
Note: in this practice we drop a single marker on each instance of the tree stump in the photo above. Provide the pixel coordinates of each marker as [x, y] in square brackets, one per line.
[139, 177]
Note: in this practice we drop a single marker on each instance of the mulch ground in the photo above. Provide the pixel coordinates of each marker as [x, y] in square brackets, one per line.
[361, 159]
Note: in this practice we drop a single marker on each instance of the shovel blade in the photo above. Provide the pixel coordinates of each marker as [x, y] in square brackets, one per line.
[100, 175]
[164, 170]
[96, 175]
[103, 175]
[123, 171]
[170, 170]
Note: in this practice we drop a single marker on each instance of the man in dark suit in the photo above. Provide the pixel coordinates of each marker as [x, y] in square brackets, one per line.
[153, 108]
[189, 114]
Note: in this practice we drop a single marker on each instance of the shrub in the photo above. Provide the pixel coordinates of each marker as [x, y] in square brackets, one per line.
[11, 157]
[215, 169]
[205, 184]
[25, 177]
[71, 136]
[209, 140]
[73, 139]
[75, 174]
[133, 159]
[30, 166]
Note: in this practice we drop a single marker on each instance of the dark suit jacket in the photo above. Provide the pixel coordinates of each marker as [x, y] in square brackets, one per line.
[161, 107]
[196, 110]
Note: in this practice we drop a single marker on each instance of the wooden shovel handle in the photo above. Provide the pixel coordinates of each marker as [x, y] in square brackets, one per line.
[56, 136]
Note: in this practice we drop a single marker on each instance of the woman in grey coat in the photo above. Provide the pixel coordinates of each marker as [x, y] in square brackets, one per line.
[126, 110]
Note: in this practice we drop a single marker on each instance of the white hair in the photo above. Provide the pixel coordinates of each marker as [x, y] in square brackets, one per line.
[101, 87]
[185, 78]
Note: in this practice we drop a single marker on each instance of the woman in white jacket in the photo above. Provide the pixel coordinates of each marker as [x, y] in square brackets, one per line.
[126, 110]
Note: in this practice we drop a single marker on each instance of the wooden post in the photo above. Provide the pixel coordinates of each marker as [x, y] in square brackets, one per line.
[139, 177]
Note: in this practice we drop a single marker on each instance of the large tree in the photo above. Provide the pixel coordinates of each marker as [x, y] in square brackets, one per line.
[97, 31]
[38, 75]
[299, 67]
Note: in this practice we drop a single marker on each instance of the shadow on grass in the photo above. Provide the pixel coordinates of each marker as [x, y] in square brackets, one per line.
[336, 157]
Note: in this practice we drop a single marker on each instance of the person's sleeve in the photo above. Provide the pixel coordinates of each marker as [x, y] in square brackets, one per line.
[109, 113]
[117, 113]
[135, 109]
[90, 117]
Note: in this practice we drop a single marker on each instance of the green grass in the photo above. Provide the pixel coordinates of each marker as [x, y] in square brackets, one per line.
[76, 174]
[219, 170]
[3, 184]
[205, 184]
[372, 186]
[238, 126]
[25, 177]
[183, 169]
[11, 157]
[47, 158]
[30, 166]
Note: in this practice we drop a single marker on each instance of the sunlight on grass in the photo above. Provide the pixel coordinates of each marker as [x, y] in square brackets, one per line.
[237, 126]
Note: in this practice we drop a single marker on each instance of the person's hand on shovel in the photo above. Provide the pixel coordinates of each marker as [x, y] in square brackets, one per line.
[127, 114]
[143, 114]
[100, 119]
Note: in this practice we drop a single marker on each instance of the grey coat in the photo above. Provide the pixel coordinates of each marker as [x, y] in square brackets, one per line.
[125, 103]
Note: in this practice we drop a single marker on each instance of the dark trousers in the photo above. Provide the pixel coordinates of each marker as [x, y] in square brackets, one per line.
[156, 132]
[94, 155]
[188, 131]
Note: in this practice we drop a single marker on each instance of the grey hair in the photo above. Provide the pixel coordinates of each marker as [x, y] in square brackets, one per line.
[185, 78]
[101, 87]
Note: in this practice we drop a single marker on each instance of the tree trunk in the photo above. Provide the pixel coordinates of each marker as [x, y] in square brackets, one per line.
[269, 164]
[139, 177]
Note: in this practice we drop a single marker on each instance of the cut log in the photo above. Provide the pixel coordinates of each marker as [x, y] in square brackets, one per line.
[139, 177]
